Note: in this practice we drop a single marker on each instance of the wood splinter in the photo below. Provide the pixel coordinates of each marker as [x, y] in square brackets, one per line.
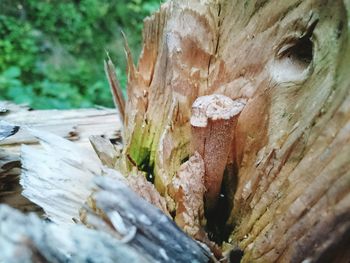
[214, 118]
[116, 90]
[187, 189]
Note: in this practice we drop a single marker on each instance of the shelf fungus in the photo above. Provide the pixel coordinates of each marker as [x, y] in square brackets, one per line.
[213, 122]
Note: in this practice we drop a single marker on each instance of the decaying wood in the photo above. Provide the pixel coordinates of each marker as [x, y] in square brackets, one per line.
[9, 173]
[25, 238]
[112, 208]
[145, 189]
[213, 122]
[58, 176]
[108, 152]
[287, 174]
[187, 189]
[110, 155]
[68, 169]
[75, 125]
[289, 180]
[7, 107]
[114, 85]
[141, 225]
[7, 130]
[10, 189]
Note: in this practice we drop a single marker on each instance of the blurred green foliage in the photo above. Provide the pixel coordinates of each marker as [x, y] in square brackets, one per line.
[52, 51]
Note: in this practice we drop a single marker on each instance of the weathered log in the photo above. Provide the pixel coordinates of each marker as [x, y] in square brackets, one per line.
[67, 170]
[108, 152]
[144, 232]
[145, 189]
[60, 176]
[61, 182]
[10, 189]
[75, 125]
[145, 227]
[25, 238]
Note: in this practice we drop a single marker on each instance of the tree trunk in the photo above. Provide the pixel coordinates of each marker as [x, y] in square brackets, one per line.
[287, 183]
[261, 169]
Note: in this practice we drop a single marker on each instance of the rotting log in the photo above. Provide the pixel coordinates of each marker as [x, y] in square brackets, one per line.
[131, 230]
[155, 233]
[74, 187]
[59, 177]
[287, 190]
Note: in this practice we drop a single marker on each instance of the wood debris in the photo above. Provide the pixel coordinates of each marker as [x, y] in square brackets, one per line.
[187, 189]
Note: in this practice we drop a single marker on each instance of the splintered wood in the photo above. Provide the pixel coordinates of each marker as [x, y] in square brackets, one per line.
[27, 238]
[213, 122]
[139, 224]
[130, 230]
[147, 191]
[188, 189]
[75, 125]
[281, 134]
[114, 85]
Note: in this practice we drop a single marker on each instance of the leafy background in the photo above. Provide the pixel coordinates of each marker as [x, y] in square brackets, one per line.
[52, 51]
